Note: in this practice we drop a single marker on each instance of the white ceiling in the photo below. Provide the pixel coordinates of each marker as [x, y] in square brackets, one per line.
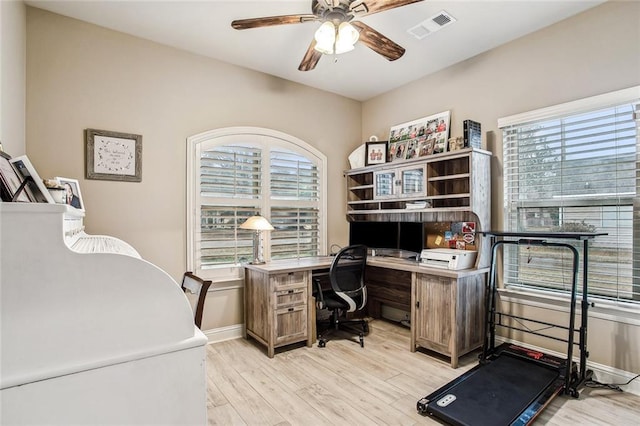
[204, 27]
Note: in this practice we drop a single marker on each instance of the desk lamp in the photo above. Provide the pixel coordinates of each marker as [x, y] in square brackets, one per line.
[257, 224]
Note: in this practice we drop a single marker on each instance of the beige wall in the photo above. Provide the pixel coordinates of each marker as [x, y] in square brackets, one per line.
[595, 52]
[12, 76]
[82, 76]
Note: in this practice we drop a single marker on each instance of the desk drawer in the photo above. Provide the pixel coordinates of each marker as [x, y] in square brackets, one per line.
[289, 279]
[291, 297]
[290, 325]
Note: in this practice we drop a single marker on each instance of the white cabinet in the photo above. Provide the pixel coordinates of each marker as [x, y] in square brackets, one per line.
[405, 182]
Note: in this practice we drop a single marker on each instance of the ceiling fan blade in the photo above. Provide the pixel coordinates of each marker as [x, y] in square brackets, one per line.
[268, 21]
[377, 42]
[311, 58]
[368, 7]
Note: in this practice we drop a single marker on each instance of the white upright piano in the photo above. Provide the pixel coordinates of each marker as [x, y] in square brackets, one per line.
[90, 332]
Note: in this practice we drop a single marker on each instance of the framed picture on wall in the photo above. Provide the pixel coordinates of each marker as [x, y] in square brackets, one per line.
[113, 155]
[376, 153]
[417, 138]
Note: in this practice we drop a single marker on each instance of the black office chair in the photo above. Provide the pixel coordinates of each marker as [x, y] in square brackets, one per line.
[196, 285]
[348, 293]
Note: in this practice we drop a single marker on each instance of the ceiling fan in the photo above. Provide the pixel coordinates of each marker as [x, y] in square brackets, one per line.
[338, 32]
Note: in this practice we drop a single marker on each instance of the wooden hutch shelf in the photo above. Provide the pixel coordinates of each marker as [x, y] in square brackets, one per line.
[455, 186]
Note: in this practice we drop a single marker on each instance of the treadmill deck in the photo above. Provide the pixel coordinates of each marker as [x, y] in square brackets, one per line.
[509, 390]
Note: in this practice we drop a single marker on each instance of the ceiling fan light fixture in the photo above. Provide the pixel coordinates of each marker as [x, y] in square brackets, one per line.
[331, 39]
[347, 38]
[325, 38]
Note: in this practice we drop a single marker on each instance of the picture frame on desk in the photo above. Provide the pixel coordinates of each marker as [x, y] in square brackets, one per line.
[73, 196]
[113, 155]
[10, 180]
[35, 186]
[375, 153]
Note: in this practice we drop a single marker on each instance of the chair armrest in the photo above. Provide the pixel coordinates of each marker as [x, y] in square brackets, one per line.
[317, 293]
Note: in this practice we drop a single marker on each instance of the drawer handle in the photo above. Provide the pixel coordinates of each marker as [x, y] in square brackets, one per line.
[290, 309]
[290, 291]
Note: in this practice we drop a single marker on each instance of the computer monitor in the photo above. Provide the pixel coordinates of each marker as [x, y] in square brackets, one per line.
[411, 236]
[375, 235]
[388, 235]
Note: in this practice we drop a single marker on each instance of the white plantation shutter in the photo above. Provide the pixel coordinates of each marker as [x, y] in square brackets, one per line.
[293, 177]
[298, 232]
[295, 184]
[222, 242]
[228, 174]
[575, 168]
[238, 175]
[233, 171]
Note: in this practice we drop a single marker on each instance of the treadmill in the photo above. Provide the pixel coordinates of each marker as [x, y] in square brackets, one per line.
[512, 384]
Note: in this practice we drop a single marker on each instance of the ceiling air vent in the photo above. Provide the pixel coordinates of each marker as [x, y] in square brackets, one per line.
[433, 24]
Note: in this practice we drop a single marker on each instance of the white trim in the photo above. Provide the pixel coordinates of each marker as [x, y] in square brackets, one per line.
[599, 101]
[603, 309]
[224, 285]
[191, 188]
[602, 373]
[254, 131]
[222, 334]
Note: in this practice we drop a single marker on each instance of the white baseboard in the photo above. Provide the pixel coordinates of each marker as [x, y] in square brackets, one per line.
[221, 334]
[602, 373]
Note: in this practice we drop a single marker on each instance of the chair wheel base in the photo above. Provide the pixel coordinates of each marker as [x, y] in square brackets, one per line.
[322, 343]
[361, 340]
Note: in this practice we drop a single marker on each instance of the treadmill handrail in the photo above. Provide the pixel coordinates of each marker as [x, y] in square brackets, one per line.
[490, 305]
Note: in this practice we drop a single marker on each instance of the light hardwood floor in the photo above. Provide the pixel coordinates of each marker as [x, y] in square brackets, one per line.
[344, 384]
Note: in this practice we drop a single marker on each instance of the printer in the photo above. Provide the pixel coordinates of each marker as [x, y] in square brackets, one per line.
[444, 258]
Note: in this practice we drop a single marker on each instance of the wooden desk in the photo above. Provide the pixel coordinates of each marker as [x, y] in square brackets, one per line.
[447, 307]
[278, 304]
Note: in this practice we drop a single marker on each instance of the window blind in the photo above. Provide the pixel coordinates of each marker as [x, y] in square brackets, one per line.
[575, 172]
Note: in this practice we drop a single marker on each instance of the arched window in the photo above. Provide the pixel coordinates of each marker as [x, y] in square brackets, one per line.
[235, 173]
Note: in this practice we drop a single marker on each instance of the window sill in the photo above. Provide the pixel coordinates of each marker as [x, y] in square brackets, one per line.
[626, 313]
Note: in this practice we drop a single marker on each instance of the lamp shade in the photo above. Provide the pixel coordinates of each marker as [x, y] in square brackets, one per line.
[347, 38]
[325, 38]
[332, 38]
[257, 223]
